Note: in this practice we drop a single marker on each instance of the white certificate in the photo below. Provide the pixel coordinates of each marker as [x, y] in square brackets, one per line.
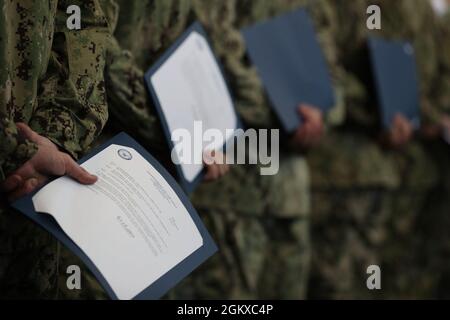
[190, 87]
[131, 223]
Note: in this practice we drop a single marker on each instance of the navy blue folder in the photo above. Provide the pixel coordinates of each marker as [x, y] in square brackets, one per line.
[172, 277]
[189, 187]
[291, 64]
[396, 80]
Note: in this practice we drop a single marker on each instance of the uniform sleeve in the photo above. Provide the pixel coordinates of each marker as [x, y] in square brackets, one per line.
[129, 102]
[13, 150]
[72, 108]
[20, 44]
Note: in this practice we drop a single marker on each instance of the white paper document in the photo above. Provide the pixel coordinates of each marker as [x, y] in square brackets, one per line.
[190, 87]
[131, 223]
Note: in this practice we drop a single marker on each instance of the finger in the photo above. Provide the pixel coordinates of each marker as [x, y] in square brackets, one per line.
[208, 158]
[215, 172]
[212, 173]
[26, 172]
[28, 187]
[26, 132]
[41, 181]
[404, 139]
[309, 135]
[304, 112]
[222, 169]
[396, 123]
[11, 183]
[397, 138]
[208, 175]
[404, 135]
[222, 159]
[393, 137]
[78, 173]
[407, 131]
[316, 130]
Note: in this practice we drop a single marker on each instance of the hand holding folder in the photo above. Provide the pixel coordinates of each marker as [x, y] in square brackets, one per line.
[135, 228]
[47, 162]
[291, 65]
[190, 69]
[396, 86]
[310, 133]
[396, 80]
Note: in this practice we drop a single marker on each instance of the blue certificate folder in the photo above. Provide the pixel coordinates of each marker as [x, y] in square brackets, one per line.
[291, 64]
[396, 80]
[172, 277]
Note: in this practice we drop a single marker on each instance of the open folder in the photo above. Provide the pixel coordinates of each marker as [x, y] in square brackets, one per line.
[135, 229]
[291, 64]
[191, 95]
[396, 80]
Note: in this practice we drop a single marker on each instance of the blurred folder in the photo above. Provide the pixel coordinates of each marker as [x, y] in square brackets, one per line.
[291, 65]
[396, 80]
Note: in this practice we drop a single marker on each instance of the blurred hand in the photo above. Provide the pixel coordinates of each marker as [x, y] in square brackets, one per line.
[216, 166]
[400, 133]
[311, 131]
[46, 163]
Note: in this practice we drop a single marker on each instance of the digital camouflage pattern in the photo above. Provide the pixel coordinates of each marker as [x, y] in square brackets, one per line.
[279, 268]
[273, 259]
[353, 54]
[51, 79]
[434, 220]
[355, 164]
[368, 204]
[130, 106]
[235, 206]
[368, 200]
[169, 20]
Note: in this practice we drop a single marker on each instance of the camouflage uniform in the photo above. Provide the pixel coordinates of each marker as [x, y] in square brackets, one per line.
[227, 274]
[52, 80]
[278, 265]
[434, 220]
[235, 208]
[368, 199]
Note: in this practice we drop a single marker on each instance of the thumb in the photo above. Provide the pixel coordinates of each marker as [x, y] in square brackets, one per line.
[26, 132]
[301, 109]
[79, 174]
